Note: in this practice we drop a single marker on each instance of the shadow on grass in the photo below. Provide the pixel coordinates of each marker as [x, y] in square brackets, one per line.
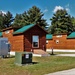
[7, 57]
[35, 62]
[32, 63]
[52, 54]
[26, 64]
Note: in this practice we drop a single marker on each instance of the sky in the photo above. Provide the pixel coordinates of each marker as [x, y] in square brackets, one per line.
[48, 7]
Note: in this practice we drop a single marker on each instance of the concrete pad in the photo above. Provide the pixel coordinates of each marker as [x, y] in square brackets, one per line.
[66, 72]
[70, 55]
[60, 50]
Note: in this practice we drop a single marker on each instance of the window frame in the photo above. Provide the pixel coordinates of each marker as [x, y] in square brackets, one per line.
[32, 42]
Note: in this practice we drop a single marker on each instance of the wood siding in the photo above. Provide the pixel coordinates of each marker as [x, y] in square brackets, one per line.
[9, 35]
[28, 38]
[64, 43]
[18, 43]
[23, 42]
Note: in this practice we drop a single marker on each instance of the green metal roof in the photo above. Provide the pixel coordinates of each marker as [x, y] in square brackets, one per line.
[0, 33]
[72, 35]
[23, 29]
[49, 36]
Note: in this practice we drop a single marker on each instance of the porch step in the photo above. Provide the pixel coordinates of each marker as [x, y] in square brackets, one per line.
[41, 52]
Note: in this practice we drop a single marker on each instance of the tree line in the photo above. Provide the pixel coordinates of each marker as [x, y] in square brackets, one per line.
[61, 21]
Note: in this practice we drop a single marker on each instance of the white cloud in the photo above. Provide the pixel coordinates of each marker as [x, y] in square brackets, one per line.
[57, 8]
[61, 8]
[46, 10]
[67, 8]
[2, 12]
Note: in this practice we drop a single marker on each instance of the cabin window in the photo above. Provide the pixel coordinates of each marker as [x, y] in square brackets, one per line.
[57, 41]
[6, 32]
[46, 41]
[59, 36]
[35, 41]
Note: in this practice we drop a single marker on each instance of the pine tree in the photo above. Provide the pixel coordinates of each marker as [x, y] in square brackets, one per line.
[8, 19]
[5, 20]
[33, 15]
[73, 22]
[61, 23]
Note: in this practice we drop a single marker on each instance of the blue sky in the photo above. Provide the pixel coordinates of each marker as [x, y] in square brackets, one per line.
[48, 7]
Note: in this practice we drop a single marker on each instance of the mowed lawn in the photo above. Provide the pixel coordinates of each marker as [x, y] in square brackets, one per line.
[43, 65]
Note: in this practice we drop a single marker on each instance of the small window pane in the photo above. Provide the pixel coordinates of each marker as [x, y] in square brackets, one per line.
[35, 41]
[7, 31]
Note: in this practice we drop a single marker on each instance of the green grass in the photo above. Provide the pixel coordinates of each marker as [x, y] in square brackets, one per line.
[43, 66]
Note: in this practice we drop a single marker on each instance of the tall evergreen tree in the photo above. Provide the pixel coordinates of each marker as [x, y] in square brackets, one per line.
[61, 23]
[1, 22]
[73, 22]
[8, 19]
[33, 15]
[5, 20]
[17, 20]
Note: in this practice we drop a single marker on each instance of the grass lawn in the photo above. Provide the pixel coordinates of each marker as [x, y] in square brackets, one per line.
[43, 66]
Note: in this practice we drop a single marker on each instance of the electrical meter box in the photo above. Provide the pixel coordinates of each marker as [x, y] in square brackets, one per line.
[4, 47]
[23, 58]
